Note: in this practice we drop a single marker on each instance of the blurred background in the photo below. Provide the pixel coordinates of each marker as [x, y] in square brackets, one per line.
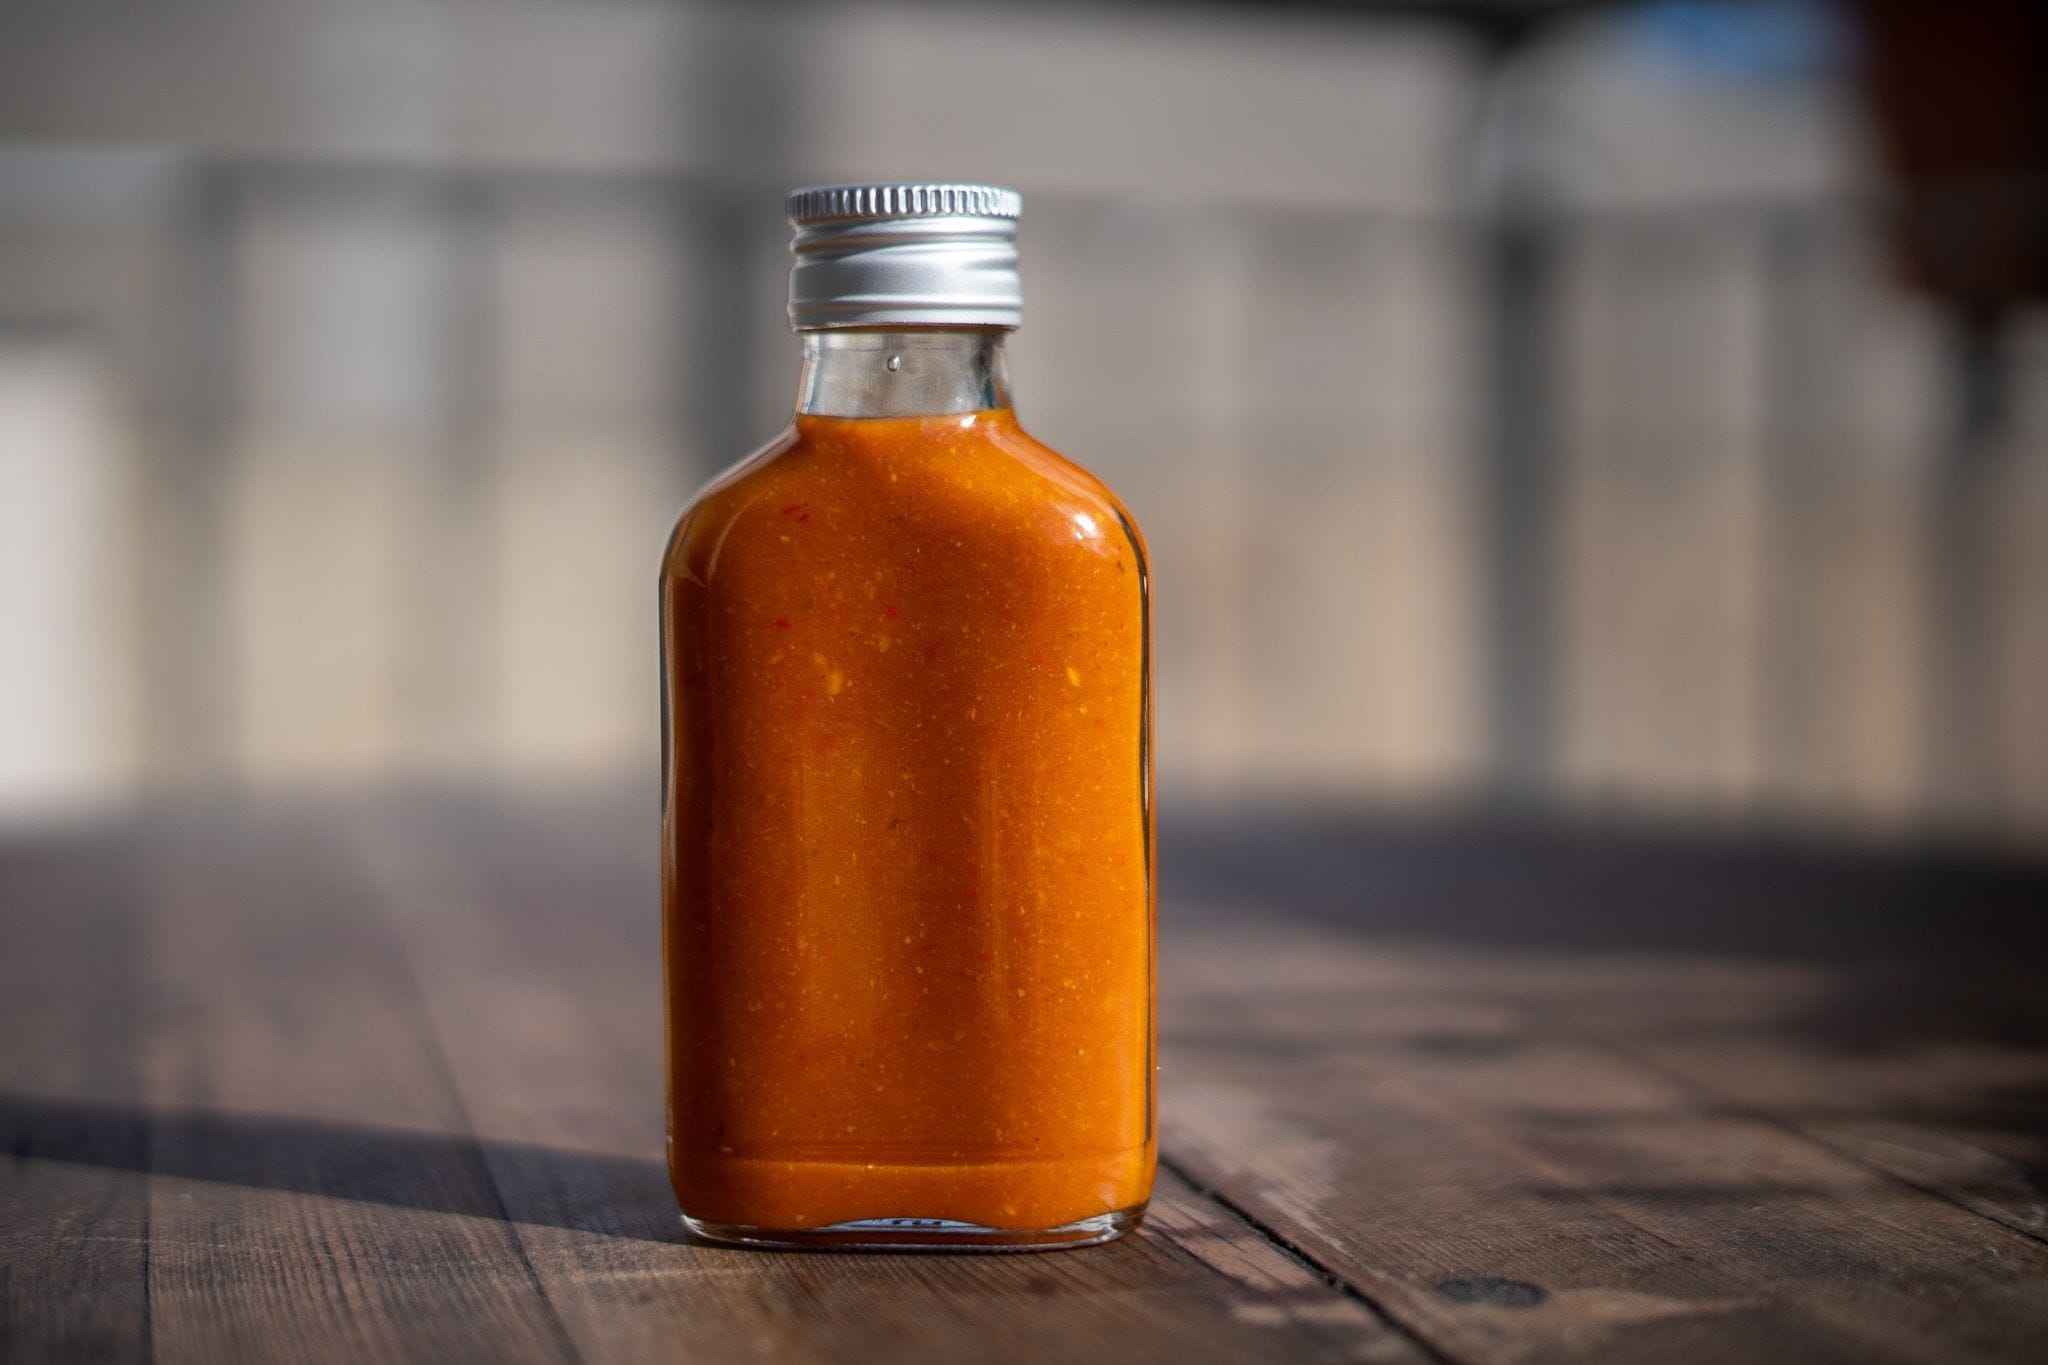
[1634, 411]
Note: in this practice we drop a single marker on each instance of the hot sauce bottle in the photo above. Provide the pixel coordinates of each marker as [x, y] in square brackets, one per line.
[907, 836]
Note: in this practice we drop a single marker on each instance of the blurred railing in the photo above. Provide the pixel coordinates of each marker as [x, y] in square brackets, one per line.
[362, 471]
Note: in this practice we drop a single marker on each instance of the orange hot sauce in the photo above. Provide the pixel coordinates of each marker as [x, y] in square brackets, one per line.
[908, 840]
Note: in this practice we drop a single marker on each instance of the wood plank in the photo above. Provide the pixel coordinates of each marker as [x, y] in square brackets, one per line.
[1935, 1120]
[1955, 1104]
[74, 1203]
[1921, 1054]
[1512, 1194]
[537, 946]
[284, 1019]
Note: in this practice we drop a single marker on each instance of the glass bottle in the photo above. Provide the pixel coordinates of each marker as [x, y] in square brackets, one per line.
[907, 835]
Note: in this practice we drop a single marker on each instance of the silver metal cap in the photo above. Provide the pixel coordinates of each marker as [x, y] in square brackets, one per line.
[904, 255]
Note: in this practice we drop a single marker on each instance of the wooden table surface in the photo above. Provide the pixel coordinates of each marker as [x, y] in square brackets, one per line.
[381, 1082]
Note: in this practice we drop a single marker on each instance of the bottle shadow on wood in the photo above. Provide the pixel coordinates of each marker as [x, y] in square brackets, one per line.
[613, 1196]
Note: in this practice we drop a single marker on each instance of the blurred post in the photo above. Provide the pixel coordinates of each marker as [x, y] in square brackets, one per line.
[1964, 770]
[188, 705]
[1517, 236]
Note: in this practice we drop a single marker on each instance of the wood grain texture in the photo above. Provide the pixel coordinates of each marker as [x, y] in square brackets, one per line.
[1966, 1122]
[1424, 1121]
[382, 1081]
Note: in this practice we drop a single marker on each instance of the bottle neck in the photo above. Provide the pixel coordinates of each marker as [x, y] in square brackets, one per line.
[925, 372]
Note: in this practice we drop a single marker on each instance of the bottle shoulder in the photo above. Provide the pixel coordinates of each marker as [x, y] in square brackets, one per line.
[956, 481]
[1073, 480]
[714, 502]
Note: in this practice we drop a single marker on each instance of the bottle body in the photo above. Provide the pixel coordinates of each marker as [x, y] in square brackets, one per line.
[909, 929]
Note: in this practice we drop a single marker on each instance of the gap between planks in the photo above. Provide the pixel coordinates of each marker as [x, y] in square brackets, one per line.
[1300, 1255]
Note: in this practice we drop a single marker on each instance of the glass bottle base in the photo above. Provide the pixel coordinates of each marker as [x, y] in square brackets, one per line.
[920, 1234]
